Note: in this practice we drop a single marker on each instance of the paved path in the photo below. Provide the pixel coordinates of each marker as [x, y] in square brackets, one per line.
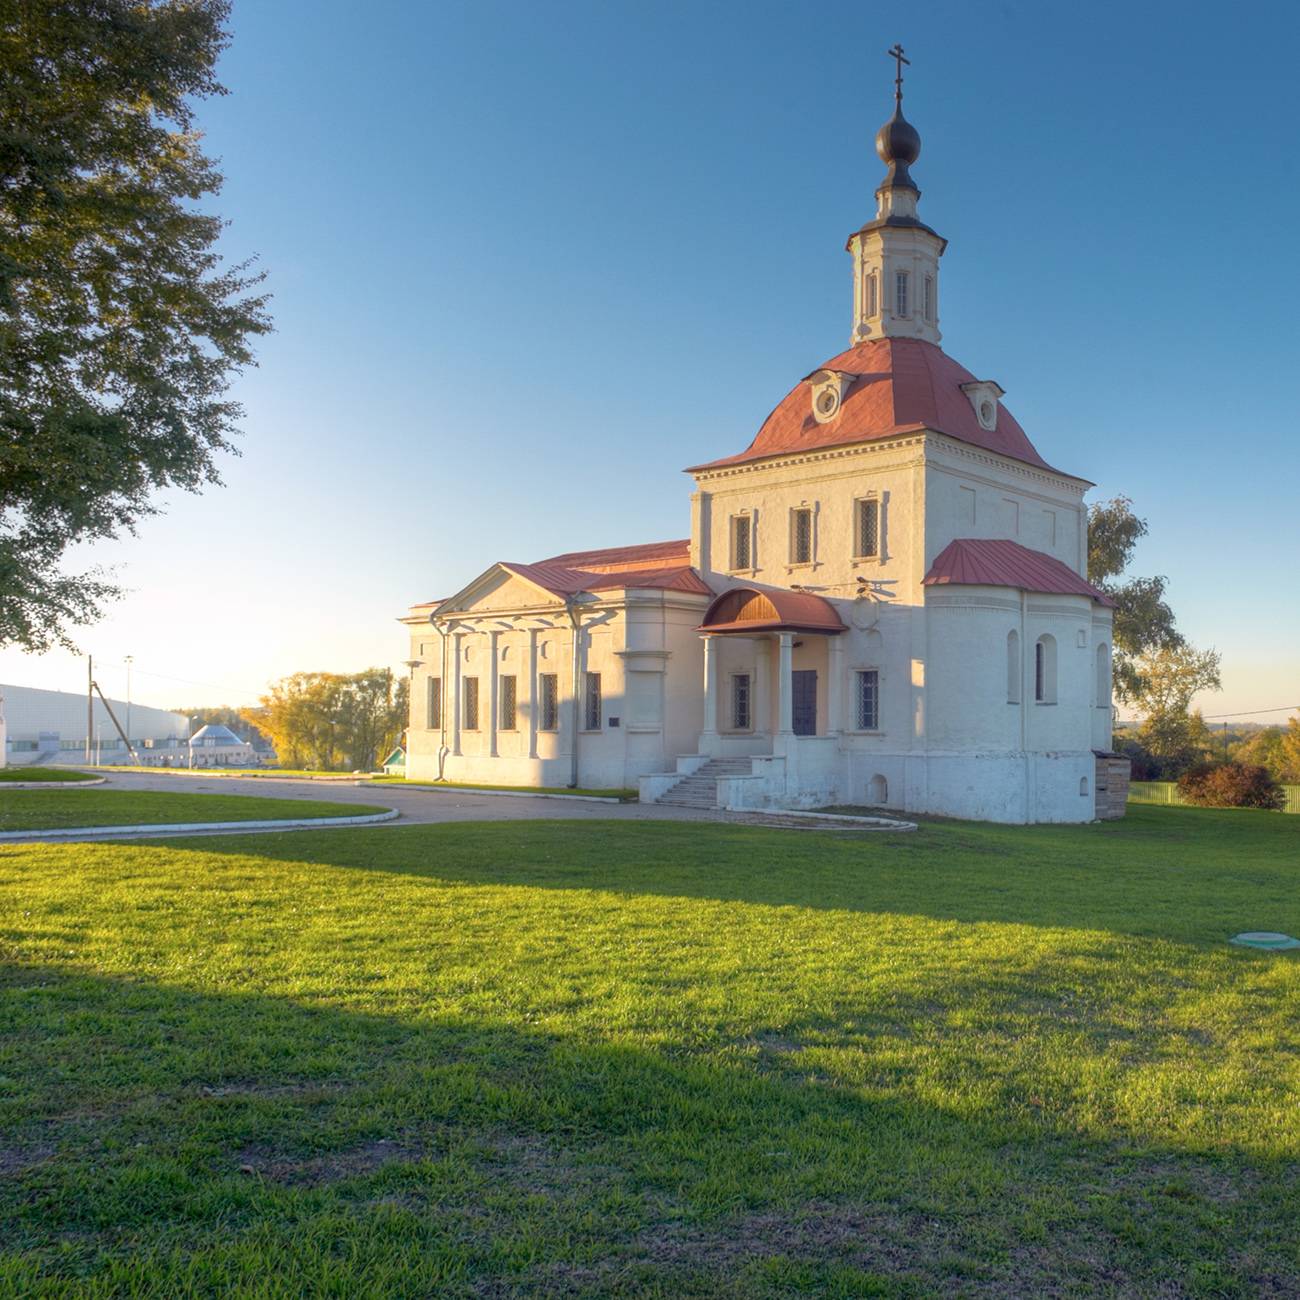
[415, 805]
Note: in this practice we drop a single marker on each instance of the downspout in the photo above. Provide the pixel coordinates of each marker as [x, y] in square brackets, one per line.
[575, 618]
[442, 711]
[1024, 697]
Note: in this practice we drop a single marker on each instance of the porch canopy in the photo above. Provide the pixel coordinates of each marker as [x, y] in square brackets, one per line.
[749, 612]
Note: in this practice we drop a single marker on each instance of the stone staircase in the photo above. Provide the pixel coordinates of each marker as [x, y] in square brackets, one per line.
[700, 789]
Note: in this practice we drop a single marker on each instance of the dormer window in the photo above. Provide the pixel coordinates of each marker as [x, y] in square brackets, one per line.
[828, 388]
[900, 293]
[984, 395]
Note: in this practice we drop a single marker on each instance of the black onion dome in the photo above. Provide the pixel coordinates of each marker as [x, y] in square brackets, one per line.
[899, 144]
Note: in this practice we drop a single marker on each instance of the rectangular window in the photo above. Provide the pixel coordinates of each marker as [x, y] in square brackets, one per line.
[868, 701]
[1040, 673]
[867, 540]
[506, 722]
[434, 704]
[929, 297]
[801, 536]
[740, 714]
[469, 714]
[549, 714]
[591, 713]
[871, 294]
[741, 550]
[900, 294]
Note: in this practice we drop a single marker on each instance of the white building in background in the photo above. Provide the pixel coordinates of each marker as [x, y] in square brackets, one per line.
[218, 746]
[49, 727]
[882, 601]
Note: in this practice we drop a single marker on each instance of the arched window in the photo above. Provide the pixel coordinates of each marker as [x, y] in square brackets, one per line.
[877, 791]
[1045, 670]
[1013, 667]
[1103, 676]
[1083, 786]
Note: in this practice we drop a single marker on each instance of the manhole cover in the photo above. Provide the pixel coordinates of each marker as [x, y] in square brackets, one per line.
[1267, 939]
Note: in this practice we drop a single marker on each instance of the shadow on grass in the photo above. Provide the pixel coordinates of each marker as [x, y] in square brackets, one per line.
[165, 1140]
[1187, 875]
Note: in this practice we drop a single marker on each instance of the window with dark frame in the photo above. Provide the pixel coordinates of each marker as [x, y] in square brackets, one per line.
[741, 542]
[868, 530]
[740, 711]
[868, 700]
[900, 293]
[508, 704]
[801, 533]
[549, 714]
[591, 714]
[470, 712]
[433, 710]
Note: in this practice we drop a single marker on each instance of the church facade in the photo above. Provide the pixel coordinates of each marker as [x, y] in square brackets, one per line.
[882, 602]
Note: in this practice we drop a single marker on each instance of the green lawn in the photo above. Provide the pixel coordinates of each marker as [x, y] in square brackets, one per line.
[654, 1058]
[35, 810]
[43, 774]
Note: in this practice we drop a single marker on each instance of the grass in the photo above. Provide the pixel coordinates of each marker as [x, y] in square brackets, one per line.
[43, 774]
[658, 1059]
[35, 810]
[624, 795]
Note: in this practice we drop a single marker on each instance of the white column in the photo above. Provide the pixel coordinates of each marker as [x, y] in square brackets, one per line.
[834, 685]
[710, 728]
[458, 657]
[762, 704]
[493, 691]
[785, 684]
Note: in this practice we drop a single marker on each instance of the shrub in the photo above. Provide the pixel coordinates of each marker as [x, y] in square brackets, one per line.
[1231, 785]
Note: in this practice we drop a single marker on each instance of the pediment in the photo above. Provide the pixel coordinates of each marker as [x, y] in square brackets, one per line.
[498, 589]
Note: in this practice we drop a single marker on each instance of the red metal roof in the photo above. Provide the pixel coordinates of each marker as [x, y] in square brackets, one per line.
[976, 562]
[638, 567]
[751, 609]
[901, 386]
[649, 555]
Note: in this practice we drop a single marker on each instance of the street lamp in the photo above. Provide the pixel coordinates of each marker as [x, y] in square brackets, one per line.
[189, 739]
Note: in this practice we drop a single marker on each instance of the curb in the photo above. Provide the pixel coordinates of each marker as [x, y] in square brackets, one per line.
[181, 828]
[509, 794]
[877, 823]
[52, 785]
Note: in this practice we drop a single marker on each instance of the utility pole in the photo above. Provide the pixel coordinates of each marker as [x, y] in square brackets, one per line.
[90, 704]
[128, 660]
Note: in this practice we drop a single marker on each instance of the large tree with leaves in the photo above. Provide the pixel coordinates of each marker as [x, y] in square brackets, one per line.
[120, 326]
[1144, 623]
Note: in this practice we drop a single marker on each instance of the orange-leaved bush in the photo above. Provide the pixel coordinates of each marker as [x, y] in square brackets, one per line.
[1231, 785]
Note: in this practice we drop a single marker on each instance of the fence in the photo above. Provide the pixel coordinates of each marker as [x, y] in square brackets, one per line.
[1167, 792]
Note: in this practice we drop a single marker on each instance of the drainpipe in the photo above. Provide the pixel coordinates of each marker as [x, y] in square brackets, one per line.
[442, 712]
[575, 618]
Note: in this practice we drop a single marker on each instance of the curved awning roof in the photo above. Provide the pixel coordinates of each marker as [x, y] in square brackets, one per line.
[749, 611]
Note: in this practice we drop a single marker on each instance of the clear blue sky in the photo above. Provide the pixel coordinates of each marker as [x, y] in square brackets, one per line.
[530, 260]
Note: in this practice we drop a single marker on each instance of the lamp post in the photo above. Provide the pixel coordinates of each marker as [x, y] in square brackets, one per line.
[189, 740]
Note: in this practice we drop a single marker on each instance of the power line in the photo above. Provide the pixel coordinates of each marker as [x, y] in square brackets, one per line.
[1251, 713]
[186, 681]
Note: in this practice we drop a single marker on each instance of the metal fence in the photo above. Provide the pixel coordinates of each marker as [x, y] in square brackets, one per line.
[1167, 792]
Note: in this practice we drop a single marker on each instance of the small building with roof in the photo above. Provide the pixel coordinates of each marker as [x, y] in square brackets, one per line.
[883, 601]
[215, 745]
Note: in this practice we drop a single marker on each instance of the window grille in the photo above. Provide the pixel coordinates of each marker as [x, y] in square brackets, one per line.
[868, 701]
[929, 297]
[592, 711]
[868, 528]
[801, 548]
[508, 702]
[741, 551]
[740, 711]
[434, 709]
[550, 710]
[900, 294]
[470, 713]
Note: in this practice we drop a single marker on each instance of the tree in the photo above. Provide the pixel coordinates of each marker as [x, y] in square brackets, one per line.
[223, 715]
[120, 328]
[1144, 623]
[1264, 749]
[1291, 750]
[332, 721]
[1171, 678]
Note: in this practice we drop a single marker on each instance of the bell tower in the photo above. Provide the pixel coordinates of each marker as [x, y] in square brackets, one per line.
[895, 255]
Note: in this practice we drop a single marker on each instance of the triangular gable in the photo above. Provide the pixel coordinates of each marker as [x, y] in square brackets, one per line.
[502, 587]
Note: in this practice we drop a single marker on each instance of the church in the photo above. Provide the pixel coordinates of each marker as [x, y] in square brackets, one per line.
[882, 602]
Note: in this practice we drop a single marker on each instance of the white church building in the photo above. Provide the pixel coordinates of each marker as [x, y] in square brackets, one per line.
[882, 602]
